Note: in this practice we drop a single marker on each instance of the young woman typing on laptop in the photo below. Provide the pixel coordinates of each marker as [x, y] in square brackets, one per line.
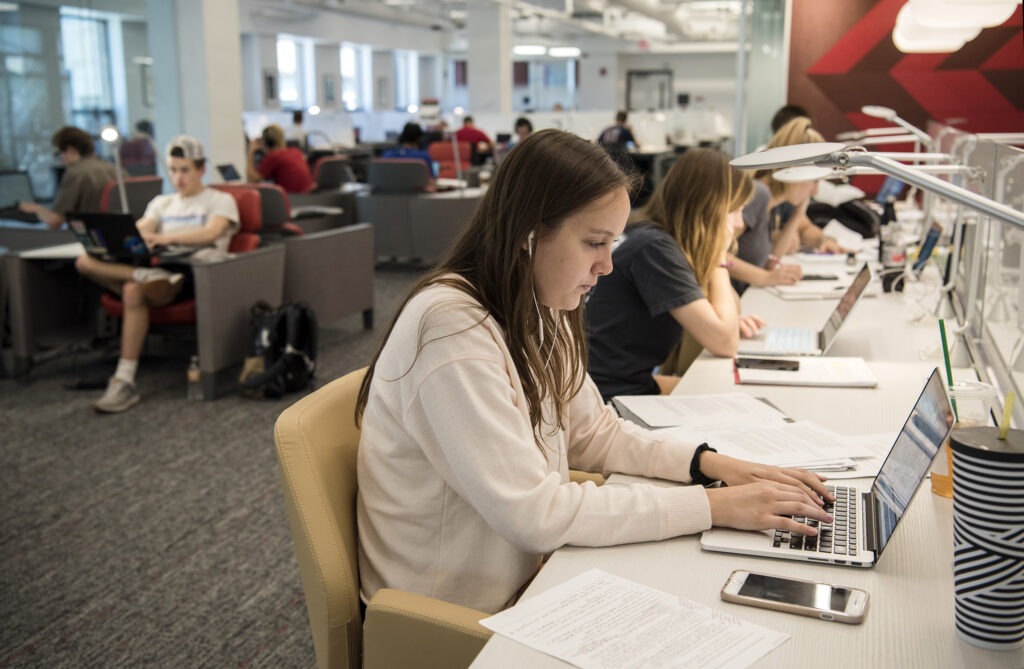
[478, 403]
[673, 278]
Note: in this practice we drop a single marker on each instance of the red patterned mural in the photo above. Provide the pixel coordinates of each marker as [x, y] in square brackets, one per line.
[842, 57]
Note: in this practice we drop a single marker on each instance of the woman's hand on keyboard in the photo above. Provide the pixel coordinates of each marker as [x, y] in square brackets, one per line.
[734, 472]
[764, 505]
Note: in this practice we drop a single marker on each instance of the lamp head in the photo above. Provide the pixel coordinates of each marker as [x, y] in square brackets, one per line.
[802, 174]
[110, 134]
[785, 156]
[878, 111]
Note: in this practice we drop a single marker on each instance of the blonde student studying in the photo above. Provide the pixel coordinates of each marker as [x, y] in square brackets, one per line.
[477, 404]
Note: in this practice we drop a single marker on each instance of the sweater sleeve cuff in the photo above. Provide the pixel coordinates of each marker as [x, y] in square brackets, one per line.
[686, 510]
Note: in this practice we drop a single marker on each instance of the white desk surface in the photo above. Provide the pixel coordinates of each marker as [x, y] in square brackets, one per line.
[910, 619]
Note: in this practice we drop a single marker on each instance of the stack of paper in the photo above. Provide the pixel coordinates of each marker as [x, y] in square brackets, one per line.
[833, 372]
[697, 411]
[597, 620]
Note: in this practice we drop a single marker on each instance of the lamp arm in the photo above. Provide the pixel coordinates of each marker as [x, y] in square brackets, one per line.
[120, 179]
[925, 138]
[919, 157]
[926, 182]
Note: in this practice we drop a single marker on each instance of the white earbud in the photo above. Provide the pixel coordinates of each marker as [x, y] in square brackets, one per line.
[529, 245]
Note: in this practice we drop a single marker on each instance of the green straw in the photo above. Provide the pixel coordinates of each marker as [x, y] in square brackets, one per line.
[949, 368]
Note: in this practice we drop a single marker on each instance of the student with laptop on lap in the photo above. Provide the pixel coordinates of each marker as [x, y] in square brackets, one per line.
[84, 178]
[194, 220]
[672, 277]
[465, 505]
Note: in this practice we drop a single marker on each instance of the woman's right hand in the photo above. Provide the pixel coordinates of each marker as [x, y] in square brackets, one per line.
[764, 505]
[785, 275]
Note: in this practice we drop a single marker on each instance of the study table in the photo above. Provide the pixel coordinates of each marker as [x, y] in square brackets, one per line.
[910, 619]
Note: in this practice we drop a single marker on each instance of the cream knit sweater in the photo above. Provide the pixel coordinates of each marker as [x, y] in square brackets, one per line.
[456, 500]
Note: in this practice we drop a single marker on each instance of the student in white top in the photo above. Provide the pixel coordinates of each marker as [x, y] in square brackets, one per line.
[478, 403]
[191, 222]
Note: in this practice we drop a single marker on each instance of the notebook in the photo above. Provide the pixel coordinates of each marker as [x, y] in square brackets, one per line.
[774, 340]
[111, 237]
[865, 520]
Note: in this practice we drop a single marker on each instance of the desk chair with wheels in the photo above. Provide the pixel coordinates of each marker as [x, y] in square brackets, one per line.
[225, 291]
[317, 442]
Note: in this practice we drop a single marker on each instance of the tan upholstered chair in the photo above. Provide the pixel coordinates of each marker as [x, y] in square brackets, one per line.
[317, 441]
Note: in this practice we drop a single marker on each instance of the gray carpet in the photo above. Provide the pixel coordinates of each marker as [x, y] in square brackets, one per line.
[155, 538]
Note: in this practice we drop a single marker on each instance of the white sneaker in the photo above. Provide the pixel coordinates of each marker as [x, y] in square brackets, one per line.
[119, 396]
[158, 285]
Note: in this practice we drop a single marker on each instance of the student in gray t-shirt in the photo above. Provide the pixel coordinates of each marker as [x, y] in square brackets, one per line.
[84, 178]
[670, 276]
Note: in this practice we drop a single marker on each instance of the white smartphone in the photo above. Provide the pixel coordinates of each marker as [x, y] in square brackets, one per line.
[805, 598]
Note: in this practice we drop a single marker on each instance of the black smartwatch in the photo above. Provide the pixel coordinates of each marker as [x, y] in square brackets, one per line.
[695, 472]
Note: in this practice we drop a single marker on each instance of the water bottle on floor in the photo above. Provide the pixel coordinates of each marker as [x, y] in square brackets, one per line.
[195, 377]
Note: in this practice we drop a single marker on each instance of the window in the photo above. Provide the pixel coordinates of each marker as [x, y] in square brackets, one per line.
[289, 80]
[355, 78]
[407, 79]
[87, 61]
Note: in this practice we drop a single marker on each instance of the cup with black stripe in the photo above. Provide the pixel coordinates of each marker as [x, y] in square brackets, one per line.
[988, 537]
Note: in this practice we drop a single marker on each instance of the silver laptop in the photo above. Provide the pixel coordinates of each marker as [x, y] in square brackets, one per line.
[774, 340]
[864, 519]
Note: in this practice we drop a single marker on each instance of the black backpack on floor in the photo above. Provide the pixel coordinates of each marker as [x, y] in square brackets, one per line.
[282, 350]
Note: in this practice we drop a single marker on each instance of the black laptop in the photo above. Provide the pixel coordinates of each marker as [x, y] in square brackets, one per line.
[15, 187]
[110, 237]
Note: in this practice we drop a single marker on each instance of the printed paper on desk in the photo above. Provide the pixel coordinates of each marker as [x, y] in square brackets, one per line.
[801, 443]
[601, 621]
[700, 411]
[846, 237]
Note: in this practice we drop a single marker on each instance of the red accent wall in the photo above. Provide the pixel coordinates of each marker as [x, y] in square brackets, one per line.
[842, 57]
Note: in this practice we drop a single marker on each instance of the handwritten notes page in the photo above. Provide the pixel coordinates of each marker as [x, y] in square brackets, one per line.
[601, 621]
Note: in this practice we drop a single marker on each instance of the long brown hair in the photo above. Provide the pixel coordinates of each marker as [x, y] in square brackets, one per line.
[691, 204]
[549, 176]
[797, 131]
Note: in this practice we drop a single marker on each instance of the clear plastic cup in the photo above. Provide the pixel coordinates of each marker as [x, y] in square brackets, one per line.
[974, 401]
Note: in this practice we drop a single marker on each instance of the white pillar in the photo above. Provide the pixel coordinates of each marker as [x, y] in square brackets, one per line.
[489, 58]
[197, 74]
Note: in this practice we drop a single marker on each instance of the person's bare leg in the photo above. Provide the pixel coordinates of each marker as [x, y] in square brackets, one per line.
[136, 321]
[110, 275]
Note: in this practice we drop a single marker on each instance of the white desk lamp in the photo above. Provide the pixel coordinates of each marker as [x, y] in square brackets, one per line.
[112, 136]
[890, 115]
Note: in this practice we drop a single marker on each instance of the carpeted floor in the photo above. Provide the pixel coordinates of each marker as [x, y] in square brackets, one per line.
[158, 537]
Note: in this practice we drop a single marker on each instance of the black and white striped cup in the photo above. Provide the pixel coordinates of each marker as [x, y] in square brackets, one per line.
[988, 537]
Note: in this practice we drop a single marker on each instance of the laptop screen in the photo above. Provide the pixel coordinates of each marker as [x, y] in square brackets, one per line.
[15, 187]
[910, 458]
[845, 306]
[228, 172]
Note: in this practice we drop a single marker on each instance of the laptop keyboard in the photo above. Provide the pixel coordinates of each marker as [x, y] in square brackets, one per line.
[837, 538]
[791, 340]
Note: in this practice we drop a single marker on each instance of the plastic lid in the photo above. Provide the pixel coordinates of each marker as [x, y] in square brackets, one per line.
[972, 390]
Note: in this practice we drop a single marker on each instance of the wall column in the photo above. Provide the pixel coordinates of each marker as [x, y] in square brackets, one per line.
[489, 59]
[197, 75]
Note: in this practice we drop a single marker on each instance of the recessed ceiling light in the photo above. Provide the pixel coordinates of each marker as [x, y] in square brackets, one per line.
[529, 50]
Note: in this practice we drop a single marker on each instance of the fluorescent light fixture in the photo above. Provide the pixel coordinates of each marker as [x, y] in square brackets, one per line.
[412, 109]
[8, 7]
[910, 36]
[564, 52]
[529, 50]
[960, 13]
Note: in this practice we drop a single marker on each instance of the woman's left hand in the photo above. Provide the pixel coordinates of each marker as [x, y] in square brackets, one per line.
[735, 472]
[750, 326]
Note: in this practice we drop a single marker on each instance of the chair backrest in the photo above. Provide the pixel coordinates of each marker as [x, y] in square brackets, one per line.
[250, 217]
[330, 172]
[398, 175]
[444, 155]
[139, 191]
[317, 442]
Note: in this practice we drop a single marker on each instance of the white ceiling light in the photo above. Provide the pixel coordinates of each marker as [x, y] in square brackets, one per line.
[958, 13]
[910, 36]
[529, 50]
[564, 52]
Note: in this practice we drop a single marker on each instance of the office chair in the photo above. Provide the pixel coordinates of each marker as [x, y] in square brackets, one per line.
[330, 171]
[443, 154]
[138, 190]
[317, 442]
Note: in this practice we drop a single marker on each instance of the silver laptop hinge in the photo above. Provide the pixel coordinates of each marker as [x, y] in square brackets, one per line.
[870, 522]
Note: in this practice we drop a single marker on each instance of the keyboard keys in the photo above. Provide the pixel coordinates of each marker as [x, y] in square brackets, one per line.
[836, 538]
